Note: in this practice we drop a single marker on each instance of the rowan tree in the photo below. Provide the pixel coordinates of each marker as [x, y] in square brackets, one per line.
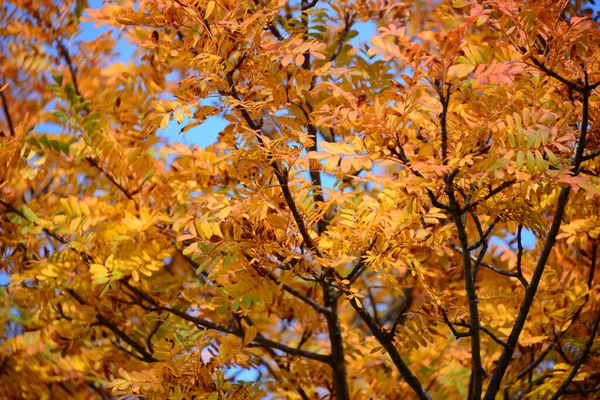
[357, 231]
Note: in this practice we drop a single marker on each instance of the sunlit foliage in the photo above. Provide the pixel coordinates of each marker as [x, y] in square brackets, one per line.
[414, 214]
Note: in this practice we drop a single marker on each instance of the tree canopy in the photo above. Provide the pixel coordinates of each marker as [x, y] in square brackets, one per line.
[414, 214]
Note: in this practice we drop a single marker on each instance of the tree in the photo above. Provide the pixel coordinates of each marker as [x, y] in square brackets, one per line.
[358, 230]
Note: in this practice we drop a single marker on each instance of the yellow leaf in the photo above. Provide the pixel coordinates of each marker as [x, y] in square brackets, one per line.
[209, 9]
[178, 116]
[164, 121]
[377, 41]
[249, 335]
[460, 70]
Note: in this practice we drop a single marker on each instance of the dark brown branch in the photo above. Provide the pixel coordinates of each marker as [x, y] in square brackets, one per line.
[445, 101]
[520, 251]
[580, 359]
[356, 271]
[534, 363]
[386, 341]
[513, 338]
[590, 156]
[477, 371]
[338, 363]
[348, 22]
[202, 323]
[117, 343]
[281, 176]
[560, 78]
[483, 236]
[308, 4]
[491, 194]
[267, 344]
[401, 155]
[142, 352]
[111, 178]
[11, 127]
[151, 335]
[319, 308]
[562, 201]
[495, 269]
[583, 391]
[450, 325]
[486, 331]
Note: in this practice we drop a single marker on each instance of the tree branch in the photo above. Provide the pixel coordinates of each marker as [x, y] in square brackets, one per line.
[497, 270]
[319, 308]
[534, 363]
[477, 371]
[491, 194]
[144, 354]
[387, 342]
[11, 127]
[571, 85]
[580, 360]
[562, 201]
[348, 22]
[202, 323]
[450, 325]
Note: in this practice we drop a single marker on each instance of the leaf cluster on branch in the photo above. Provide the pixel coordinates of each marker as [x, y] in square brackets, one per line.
[408, 214]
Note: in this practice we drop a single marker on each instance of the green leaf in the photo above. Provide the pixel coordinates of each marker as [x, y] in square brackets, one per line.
[44, 140]
[15, 219]
[511, 139]
[28, 214]
[64, 147]
[69, 90]
[520, 159]
[54, 144]
[530, 162]
[58, 79]
[60, 114]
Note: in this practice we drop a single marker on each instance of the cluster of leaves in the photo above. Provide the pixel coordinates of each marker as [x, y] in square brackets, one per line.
[360, 220]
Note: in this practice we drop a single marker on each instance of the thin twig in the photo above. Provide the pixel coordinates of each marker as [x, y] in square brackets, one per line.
[319, 308]
[534, 363]
[495, 269]
[450, 325]
[486, 331]
[491, 194]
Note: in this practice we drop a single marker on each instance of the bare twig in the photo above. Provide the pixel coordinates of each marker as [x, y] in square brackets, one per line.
[348, 22]
[560, 78]
[534, 363]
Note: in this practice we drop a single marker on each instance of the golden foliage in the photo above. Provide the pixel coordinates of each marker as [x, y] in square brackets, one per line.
[410, 215]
